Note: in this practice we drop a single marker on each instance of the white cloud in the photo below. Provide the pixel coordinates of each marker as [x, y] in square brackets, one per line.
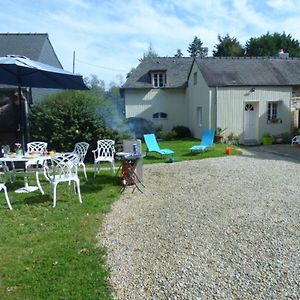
[284, 5]
[249, 16]
[139, 45]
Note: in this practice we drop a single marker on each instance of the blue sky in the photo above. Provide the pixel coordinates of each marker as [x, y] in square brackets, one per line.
[110, 36]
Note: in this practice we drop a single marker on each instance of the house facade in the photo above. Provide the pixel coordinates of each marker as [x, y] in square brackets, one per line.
[157, 91]
[247, 97]
[36, 46]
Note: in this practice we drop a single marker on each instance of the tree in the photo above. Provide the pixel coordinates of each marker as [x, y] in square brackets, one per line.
[114, 97]
[69, 117]
[178, 53]
[96, 86]
[196, 50]
[270, 44]
[228, 46]
[150, 53]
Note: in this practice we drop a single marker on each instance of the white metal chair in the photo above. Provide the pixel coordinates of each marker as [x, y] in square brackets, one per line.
[3, 187]
[64, 169]
[38, 147]
[81, 149]
[105, 152]
[296, 140]
[6, 170]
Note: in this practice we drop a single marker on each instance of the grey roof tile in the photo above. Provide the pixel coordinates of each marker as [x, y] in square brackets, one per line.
[250, 71]
[219, 71]
[177, 69]
[27, 44]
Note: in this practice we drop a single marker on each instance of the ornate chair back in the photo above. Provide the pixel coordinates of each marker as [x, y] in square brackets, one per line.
[81, 149]
[64, 168]
[39, 147]
[105, 152]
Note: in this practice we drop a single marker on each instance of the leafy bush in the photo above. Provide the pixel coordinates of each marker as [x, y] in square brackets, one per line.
[287, 139]
[166, 135]
[69, 117]
[296, 131]
[140, 126]
[182, 131]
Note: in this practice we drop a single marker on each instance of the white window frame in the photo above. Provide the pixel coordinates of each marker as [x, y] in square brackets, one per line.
[272, 111]
[158, 79]
[199, 116]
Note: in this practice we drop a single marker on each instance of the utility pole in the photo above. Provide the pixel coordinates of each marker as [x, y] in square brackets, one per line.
[74, 61]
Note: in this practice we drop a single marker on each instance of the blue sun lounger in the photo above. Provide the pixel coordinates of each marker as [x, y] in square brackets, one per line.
[206, 141]
[152, 145]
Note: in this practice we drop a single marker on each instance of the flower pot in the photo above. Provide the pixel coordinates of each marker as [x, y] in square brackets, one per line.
[218, 138]
[267, 140]
[228, 150]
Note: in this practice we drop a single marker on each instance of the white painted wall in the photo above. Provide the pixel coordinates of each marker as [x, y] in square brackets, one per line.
[143, 103]
[47, 56]
[200, 95]
[221, 106]
[231, 101]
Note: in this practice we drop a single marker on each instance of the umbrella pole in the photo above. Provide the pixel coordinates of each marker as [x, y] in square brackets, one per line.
[24, 111]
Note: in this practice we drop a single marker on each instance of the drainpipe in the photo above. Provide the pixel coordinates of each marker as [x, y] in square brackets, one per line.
[209, 109]
[217, 110]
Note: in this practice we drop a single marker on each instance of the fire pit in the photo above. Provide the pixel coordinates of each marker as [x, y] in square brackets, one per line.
[131, 167]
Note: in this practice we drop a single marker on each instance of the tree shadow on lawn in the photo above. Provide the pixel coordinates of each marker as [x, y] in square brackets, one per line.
[203, 154]
[29, 198]
[95, 184]
[192, 154]
[152, 158]
[64, 190]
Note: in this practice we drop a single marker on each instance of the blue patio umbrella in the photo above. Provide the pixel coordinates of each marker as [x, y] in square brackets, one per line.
[21, 71]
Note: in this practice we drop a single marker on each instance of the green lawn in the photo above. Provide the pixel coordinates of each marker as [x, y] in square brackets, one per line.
[182, 152]
[51, 253]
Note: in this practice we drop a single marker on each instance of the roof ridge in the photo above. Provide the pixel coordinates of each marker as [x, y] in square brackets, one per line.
[23, 33]
[247, 58]
[171, 57]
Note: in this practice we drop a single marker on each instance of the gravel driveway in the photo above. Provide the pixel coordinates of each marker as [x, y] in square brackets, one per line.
[221, 228]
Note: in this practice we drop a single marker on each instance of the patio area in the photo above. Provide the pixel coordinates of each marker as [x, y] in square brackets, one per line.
[220, 228]
[283, 150]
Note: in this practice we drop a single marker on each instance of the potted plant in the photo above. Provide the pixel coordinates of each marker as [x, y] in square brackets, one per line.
[219, 135]
[267, 139]
[233, 139]
[19, 150]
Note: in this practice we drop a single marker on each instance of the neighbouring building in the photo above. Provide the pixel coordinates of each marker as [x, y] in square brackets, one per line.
[35, 46]
[247, 97]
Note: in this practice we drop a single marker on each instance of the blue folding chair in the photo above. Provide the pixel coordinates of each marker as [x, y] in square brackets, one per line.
[152, 145]
[206, 141]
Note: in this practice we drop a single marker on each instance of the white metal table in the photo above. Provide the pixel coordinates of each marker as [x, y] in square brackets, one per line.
[39, 159]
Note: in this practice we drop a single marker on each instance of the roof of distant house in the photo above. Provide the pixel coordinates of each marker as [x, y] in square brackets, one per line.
[224, 71]
[176, 68]
[250, 71]
[26, 44]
